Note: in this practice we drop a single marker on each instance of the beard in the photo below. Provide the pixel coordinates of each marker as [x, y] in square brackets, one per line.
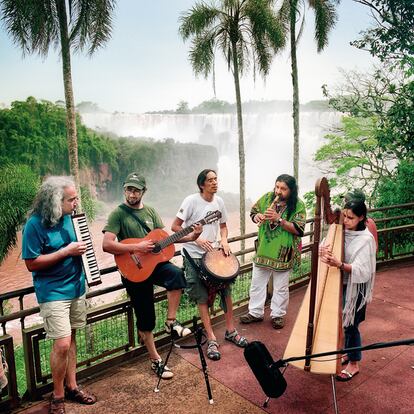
[133, 202]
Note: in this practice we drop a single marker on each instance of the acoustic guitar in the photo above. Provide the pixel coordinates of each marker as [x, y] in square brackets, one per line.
[138, 267]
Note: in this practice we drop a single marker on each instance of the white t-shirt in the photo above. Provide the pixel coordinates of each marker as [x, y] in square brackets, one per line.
[194, 208]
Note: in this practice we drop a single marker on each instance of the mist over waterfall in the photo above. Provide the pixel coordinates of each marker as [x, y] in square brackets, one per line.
[268, 141]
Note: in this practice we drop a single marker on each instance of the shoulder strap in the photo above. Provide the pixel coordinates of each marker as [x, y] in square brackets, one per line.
[192, 262]
[143, 224]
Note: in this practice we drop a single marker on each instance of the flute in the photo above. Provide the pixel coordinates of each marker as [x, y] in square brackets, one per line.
[272, 205]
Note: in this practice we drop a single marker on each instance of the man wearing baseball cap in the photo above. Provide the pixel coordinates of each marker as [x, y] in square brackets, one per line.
[134, 220]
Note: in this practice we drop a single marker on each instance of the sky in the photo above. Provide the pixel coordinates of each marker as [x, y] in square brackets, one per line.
[145, 67]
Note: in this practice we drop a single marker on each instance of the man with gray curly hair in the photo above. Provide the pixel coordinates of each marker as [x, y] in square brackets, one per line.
[53, 255]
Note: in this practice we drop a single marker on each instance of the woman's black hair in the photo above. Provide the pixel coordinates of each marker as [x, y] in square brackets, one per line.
[202, 178]
[359, 208]
[293, 187]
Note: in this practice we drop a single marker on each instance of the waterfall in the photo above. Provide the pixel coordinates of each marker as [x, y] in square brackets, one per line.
[268, 141]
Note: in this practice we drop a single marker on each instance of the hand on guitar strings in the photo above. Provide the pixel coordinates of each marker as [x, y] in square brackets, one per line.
[145, 246]
[197, 230]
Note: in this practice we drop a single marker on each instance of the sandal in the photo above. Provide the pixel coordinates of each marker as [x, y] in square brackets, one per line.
[57, 406]
[237, 339]
[212, 350]
[80, 396]
[345, 376]
[160, 369]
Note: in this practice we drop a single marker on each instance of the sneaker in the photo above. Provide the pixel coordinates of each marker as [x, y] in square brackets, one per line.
[248, 318]
[161, 370]
[278, 322]
[177, 328]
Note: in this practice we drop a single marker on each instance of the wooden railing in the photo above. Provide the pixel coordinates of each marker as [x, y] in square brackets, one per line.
[96, 352]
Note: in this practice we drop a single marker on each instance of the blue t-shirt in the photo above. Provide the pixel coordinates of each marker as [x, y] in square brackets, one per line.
[66, 279]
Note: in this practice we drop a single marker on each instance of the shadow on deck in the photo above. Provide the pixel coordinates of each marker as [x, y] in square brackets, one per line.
[385, 383]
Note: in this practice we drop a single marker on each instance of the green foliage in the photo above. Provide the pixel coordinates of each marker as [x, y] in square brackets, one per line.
[170, 169]
[392, 37]
[34, 134]
[89, 205]
[182, 108]
[398, 189]
[233, 27]
[18, 187]
[352, 155]
[214, 106]
[35, 26]
[396, 131]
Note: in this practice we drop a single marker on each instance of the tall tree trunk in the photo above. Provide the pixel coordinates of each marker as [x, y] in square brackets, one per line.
[295, 103]
[241, 146]
[69, 99]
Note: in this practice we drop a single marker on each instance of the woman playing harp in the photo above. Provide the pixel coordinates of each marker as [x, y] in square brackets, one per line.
[359, 273]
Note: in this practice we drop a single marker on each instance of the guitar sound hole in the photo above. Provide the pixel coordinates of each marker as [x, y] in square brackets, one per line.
[156, 249]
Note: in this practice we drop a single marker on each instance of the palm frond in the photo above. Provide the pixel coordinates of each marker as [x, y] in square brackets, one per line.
[202, 53]
[32, 25]
[91, 24]
[199, 18]
[325, 19]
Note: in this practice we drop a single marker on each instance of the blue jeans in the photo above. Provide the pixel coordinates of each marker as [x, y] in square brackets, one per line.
[352, 334]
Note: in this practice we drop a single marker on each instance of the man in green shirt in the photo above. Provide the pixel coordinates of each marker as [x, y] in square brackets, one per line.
[281, 217]
[133, 219]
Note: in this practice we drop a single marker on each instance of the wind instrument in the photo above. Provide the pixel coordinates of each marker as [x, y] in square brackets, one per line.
[274, 204]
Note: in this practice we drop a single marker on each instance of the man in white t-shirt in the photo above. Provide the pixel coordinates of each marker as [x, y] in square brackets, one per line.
[194, 208]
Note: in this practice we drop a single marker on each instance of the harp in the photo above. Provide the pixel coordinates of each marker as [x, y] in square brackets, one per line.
[318, 326]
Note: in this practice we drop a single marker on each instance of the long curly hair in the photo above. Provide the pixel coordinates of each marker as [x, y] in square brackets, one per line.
[48, 201]
[293, 187]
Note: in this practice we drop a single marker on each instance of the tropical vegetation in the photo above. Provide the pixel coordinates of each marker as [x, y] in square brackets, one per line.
[292, 14]
[373, 146]
[66, 25]
[245, 32]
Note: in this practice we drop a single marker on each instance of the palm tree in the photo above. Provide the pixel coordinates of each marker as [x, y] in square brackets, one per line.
[36, 25]
[291, 13]
[244, 31]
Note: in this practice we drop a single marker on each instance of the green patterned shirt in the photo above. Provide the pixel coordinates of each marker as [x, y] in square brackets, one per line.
[277, 248]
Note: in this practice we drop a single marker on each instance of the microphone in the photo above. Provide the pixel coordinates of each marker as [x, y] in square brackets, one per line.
[265, 370]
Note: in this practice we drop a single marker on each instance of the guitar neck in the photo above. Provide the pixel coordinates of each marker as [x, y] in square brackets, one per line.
[175, 237]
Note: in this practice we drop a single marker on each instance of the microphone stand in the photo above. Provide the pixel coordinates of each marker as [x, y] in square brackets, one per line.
[378, 345]
[198, 334]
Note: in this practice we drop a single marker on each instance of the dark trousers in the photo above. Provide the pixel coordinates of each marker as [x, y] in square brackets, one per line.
[166, 275]
[352, 335]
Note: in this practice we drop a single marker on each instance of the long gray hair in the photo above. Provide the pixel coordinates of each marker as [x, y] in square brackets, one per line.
[48, 201]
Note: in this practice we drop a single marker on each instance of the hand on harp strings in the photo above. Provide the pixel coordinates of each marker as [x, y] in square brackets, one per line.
[326, 256]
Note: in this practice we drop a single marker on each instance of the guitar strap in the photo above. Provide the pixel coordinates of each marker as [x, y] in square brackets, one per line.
[143, 224]
[212, 291]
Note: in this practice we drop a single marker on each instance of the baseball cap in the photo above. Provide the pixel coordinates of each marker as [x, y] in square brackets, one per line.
[135, 180]
[355, 195]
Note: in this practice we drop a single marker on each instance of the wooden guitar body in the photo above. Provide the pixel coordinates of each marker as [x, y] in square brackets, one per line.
[138, 267]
